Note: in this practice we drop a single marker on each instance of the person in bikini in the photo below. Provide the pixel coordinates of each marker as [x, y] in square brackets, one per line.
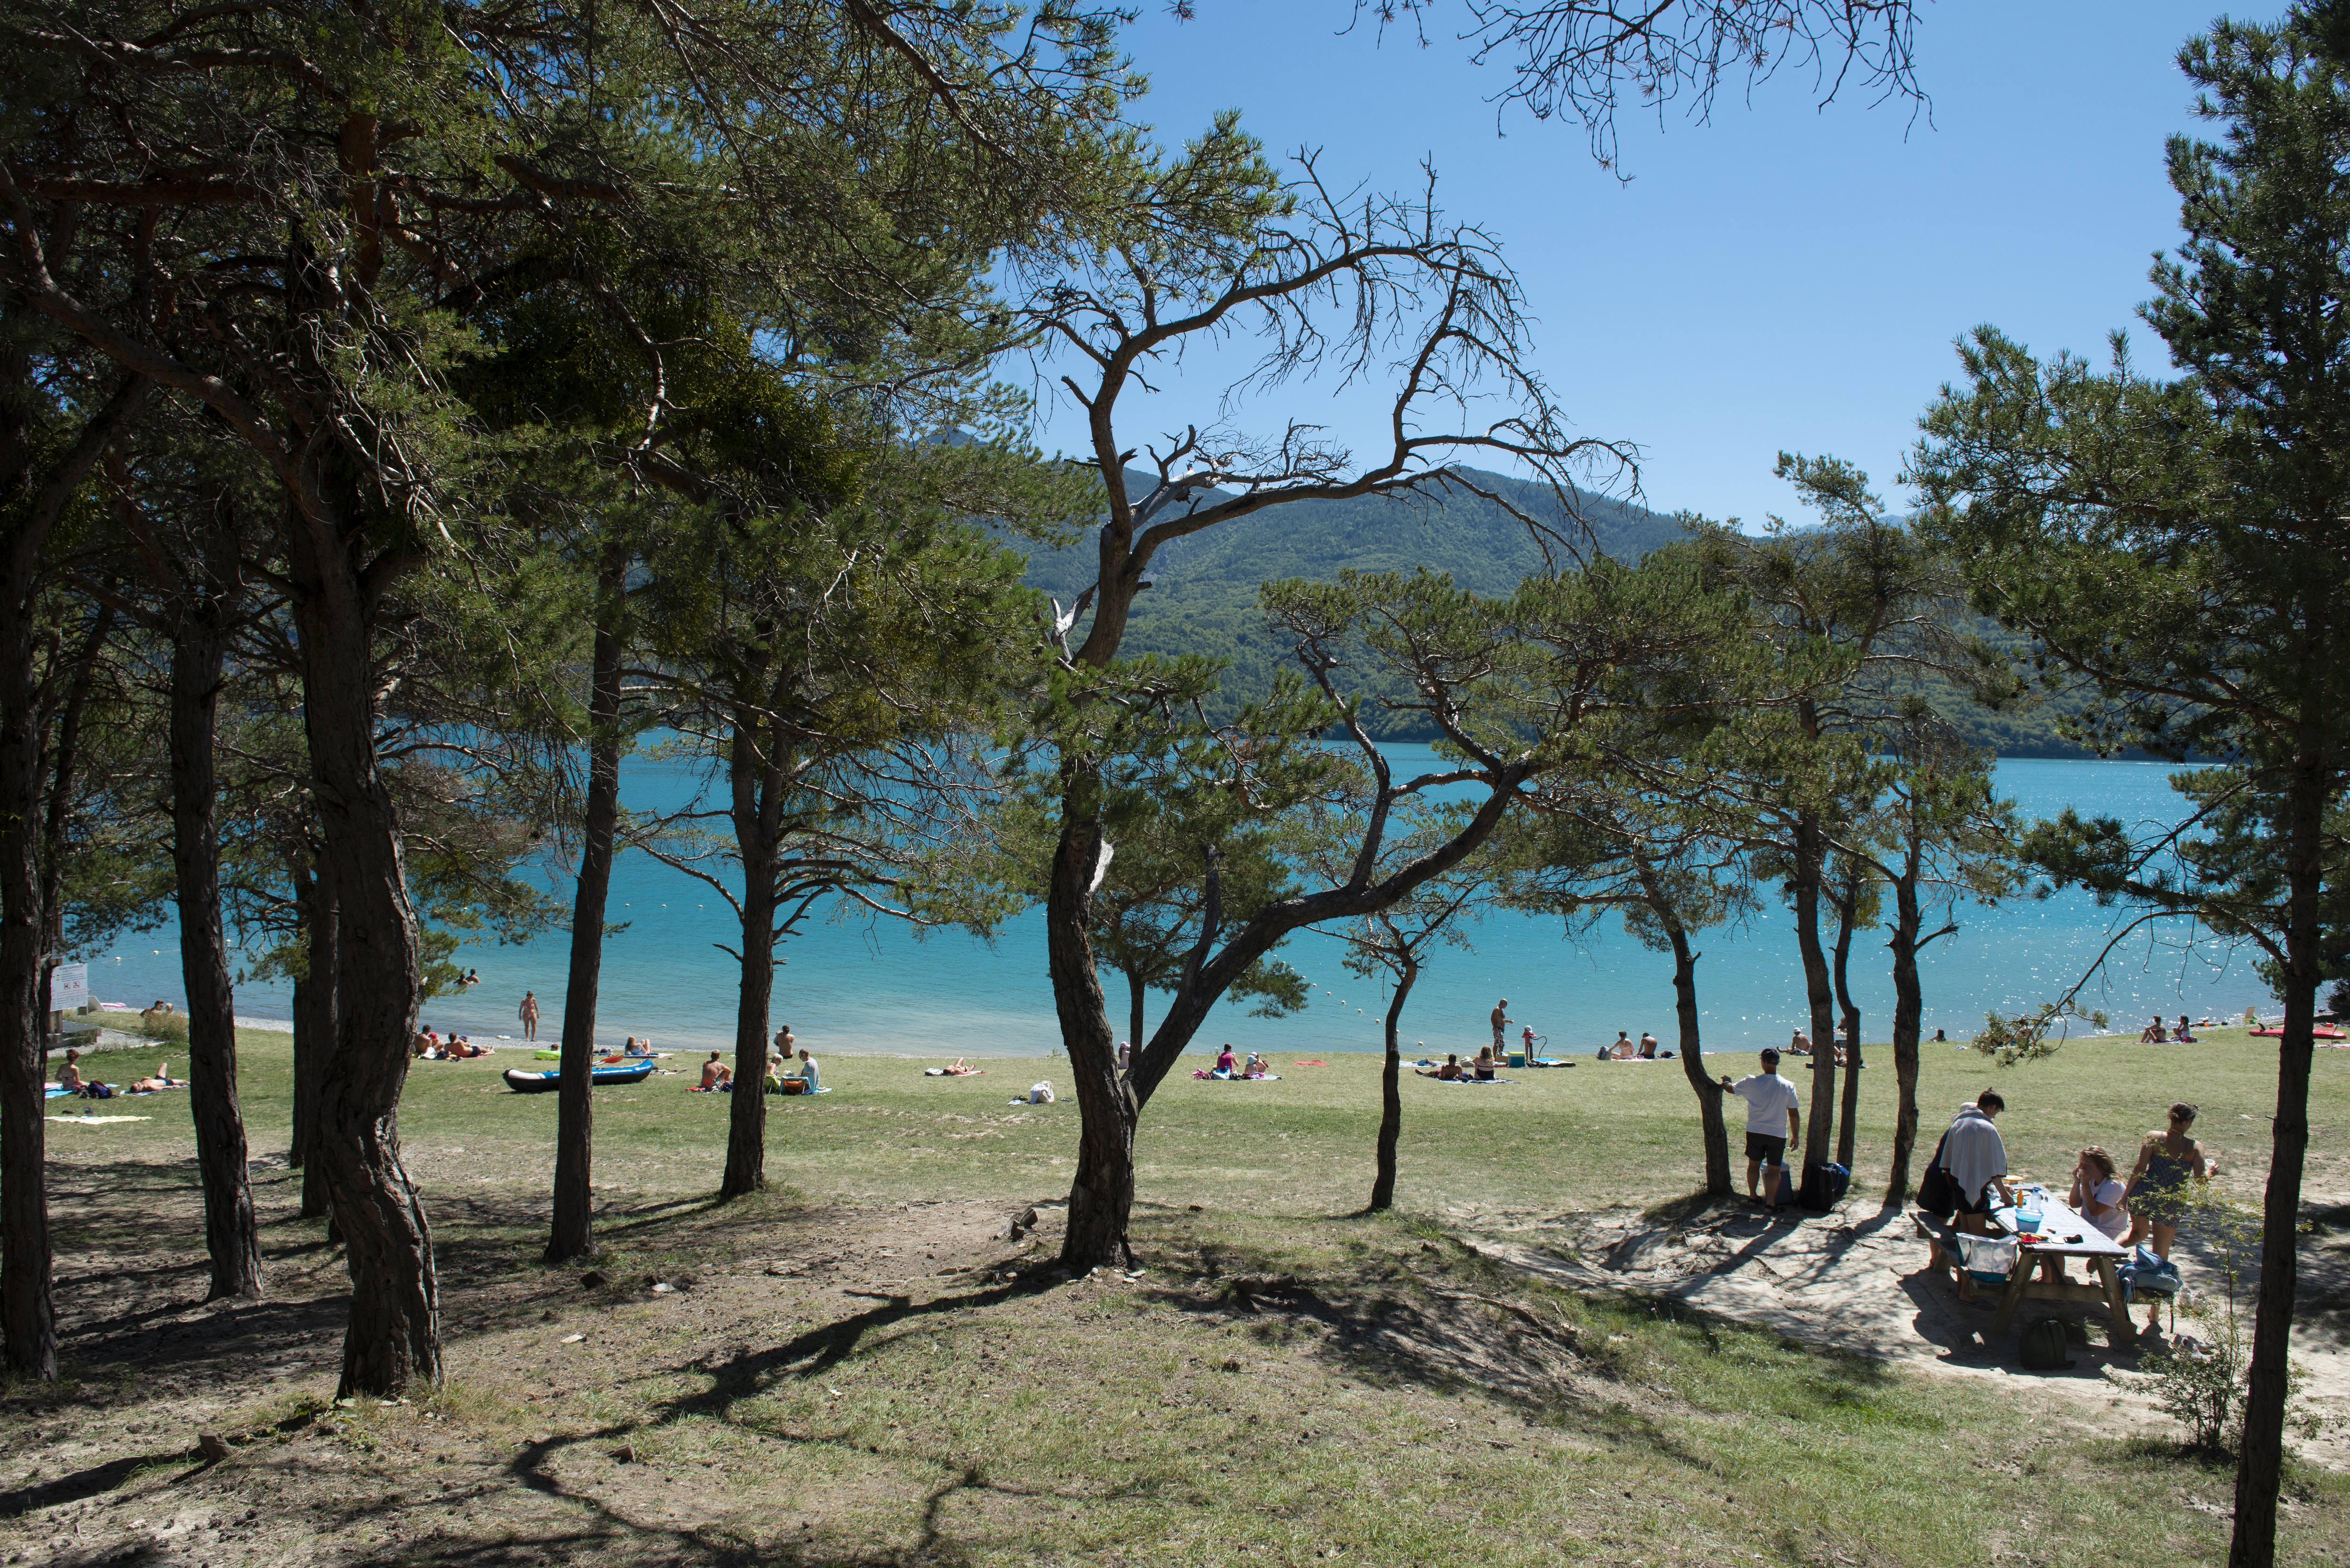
[2167, 1159]
[1487, 1061]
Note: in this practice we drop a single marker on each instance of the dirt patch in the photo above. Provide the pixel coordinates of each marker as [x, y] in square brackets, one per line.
[1857, 1279]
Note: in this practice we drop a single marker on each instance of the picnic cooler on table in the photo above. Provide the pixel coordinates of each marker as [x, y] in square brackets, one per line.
[1988, 1259]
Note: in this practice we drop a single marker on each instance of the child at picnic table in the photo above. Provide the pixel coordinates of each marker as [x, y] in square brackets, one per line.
[2096, 1194]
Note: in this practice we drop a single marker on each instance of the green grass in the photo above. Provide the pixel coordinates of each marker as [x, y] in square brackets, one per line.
[1583, 1136]
[1380, 1411]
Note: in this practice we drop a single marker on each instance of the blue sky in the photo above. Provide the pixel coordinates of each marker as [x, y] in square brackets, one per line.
[1782, 277]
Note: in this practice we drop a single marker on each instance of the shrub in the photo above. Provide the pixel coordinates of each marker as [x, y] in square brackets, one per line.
[2202, 1382]
[172, 1028]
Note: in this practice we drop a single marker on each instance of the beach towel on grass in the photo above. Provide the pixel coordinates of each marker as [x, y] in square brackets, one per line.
[95, 1121]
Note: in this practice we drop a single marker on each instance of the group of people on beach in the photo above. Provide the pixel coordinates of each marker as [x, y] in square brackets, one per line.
[71, 1079]
[2147, 1205]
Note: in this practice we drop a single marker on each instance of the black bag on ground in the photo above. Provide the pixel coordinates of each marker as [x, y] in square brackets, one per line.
[1938, 1195]
[1825, 1185]
[2042, 1345]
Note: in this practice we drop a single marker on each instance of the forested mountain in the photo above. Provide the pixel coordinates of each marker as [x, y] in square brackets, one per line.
[1204, 598]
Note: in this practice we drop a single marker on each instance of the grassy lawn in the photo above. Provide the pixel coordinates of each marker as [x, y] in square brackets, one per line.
[1583, 1136]
[845, 1375]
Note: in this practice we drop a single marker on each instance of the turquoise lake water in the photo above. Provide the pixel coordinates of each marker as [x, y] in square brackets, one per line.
[869, 984]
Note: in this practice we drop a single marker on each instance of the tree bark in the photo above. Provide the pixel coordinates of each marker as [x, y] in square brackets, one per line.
[27, 1308]
[1101, 1194]
[64, 767]
[573, 1235]
[314, 1023]
[1847, 911]
[2259, 1470]
[1810, 855]
[757, 776]
[200, 635]
[1135, 993]
[1711, 1129]
[33, 503]
[1383, 1184]
[393, 1338]
[1909, 1012]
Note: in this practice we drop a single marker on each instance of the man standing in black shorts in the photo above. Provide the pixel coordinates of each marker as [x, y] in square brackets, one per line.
[1773, 1116]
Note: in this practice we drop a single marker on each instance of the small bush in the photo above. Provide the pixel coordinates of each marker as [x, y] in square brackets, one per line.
[2202, 1385]
[171, 1028]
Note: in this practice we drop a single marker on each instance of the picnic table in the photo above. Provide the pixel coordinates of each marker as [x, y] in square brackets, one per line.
[2039, 1273]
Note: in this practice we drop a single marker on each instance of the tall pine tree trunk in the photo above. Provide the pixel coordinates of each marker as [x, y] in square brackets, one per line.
[1908, 1012]
[64, 768]
[1383, 1184]
[1711, 1128]
[31, 502]
[1101, 1193]
[27, 1310]
[314, 1021]
[573, 1235]
[393, 1338]
[2259, 1470]
[1848, 907]
[1810, 857]
[1134, 998]
[199, 652]
[757, 776]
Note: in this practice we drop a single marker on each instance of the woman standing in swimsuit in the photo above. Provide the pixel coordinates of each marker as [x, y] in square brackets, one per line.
[2158, 1184]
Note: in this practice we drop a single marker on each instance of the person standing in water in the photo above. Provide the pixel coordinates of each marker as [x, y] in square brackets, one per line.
[528, 1014]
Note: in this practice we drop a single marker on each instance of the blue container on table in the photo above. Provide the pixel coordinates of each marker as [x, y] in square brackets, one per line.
[2027, 1219]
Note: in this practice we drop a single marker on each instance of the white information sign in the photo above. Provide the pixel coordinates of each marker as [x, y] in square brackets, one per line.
[68, 987]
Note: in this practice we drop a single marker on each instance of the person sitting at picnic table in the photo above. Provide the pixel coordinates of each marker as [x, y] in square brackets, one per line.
[2096, 1194]
[716, 1075]
[2154, 1033]
[1484, 1066]
[1976, 1159]
[1449, 1072]
[2157, 1192]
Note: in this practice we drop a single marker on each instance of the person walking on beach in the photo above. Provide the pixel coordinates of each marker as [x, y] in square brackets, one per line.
[1773, 1116]
[1502, 1020]
[528, 1014]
